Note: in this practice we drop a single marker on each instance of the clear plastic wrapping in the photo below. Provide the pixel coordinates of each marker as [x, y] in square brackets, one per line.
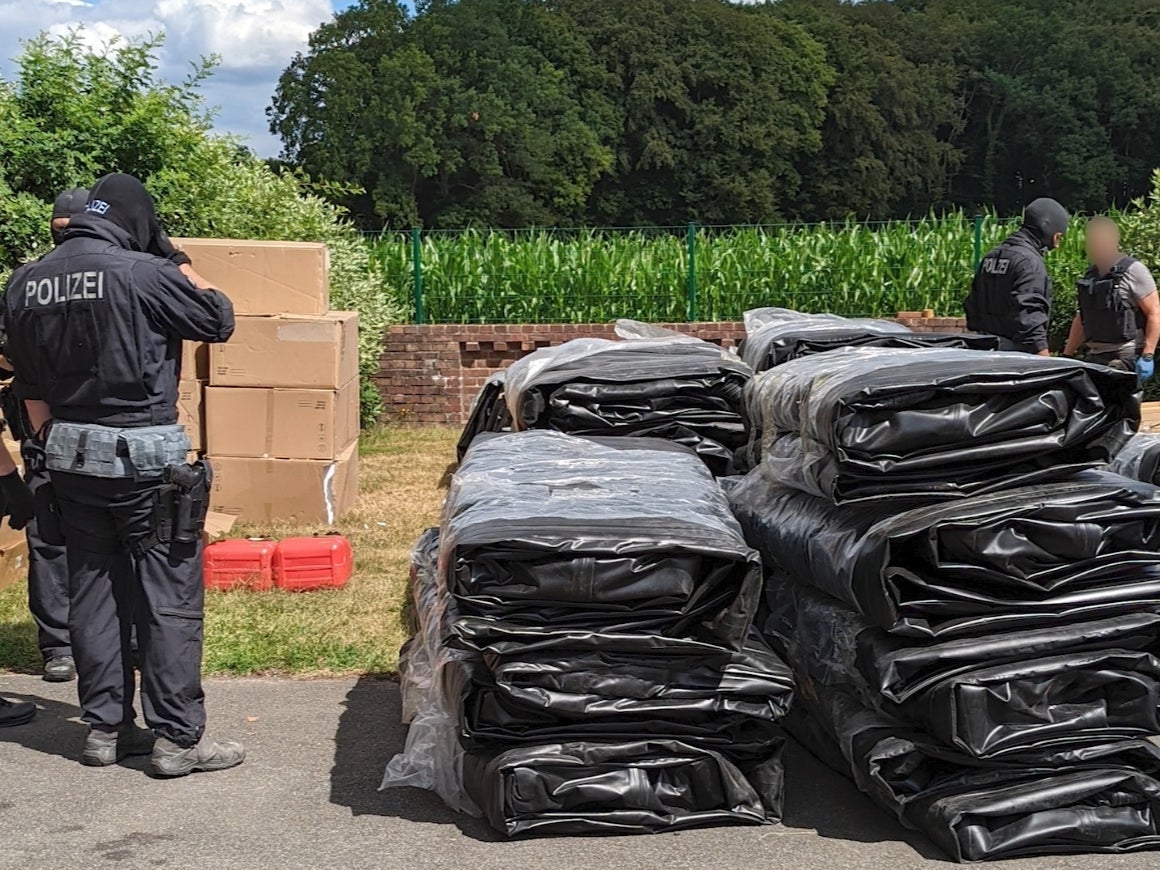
[1029, 557]
[1139, 459]
[777, 335]
[489, 413]
[566, 533]
[432, 757]
[666, 386]
[868, 423]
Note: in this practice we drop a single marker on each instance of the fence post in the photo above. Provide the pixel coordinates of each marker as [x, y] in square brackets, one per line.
[417, 272]
[978, 240]
[691, 280]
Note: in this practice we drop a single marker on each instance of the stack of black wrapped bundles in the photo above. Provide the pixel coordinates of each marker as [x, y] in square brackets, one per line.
[972, 613]
[778, 335]
[586, 660]
[656, 385]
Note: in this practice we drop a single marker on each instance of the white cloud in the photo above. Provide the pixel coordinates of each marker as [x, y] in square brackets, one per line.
[255, 39]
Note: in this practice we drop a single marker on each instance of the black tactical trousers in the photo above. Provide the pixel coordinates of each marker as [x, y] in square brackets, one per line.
[161, 592]
[47, 580]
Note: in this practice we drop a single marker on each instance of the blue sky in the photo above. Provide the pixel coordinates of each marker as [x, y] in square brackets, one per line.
[255, 38]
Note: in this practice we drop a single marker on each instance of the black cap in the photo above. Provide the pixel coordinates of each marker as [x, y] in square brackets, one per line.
[124, 201]
[71, 202]
[1044, 218]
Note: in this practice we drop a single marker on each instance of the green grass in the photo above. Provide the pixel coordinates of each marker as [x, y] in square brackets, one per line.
[595, 276]
[355, 630]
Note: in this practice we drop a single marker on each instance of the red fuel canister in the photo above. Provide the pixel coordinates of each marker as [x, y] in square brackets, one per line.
[240, 564]
[306, 564]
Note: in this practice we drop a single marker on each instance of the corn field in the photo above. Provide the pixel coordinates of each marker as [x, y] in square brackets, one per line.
[672, 274]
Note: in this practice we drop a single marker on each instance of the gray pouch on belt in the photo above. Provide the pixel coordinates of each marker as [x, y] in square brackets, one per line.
[103, 451]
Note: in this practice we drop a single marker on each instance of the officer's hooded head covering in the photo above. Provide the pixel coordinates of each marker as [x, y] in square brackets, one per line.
[69, 204]
[1043, 218]
[123, 200]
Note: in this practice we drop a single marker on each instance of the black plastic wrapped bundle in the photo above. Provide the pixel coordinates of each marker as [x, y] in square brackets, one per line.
[593, 732]
[677, 388]
[865, 423]
[1005, 695]
[775, 336]
[563, 533]
[489, 413]
[1087, 797]
[1140, 459]
[1030, 557]
[620, 687]
[637, 787]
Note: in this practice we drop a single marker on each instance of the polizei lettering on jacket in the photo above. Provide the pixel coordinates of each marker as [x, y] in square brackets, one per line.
[996, 265]
[64, 288]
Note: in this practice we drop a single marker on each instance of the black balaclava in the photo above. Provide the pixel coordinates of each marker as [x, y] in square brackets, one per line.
[123, 200]
[1043, 218]
[68, 205]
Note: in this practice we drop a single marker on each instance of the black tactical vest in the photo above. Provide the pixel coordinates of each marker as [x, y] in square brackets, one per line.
[1106, 306]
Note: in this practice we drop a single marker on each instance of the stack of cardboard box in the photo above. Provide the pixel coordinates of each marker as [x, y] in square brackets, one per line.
[275, 408]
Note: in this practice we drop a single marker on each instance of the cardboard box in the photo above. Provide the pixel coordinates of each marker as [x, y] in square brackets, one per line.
[1149, 416]
[265, 277]
[281, 424]
[13, 557]
[13, 448]
[217, 527]
[310, 353]
[191, 412]
[292, 490]
[194, 361]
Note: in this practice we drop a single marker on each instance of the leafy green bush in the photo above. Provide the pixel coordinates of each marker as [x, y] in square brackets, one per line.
[72, 114]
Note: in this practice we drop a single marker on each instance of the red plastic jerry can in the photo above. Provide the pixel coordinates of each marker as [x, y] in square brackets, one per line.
[306, 564]
[240, 564]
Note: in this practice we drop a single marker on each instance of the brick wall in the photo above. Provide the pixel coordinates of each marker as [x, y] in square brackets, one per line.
[431, 374]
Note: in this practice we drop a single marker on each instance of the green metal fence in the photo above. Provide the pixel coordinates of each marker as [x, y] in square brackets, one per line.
[688, 272]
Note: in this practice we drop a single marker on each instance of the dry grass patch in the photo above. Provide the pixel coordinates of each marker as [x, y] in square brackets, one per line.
[355, 630]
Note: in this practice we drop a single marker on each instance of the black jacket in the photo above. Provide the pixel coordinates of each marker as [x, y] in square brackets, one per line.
[1011, 294]
[95, 328]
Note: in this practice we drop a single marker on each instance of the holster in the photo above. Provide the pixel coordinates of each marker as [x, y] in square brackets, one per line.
[15, 415]
[49, 527]
[181, 505]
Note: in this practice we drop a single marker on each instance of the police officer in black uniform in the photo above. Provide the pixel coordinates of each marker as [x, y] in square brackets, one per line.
[94, 333]
[47, 564]
[1011, 294]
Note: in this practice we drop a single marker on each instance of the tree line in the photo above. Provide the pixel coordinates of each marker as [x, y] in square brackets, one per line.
[637, 112]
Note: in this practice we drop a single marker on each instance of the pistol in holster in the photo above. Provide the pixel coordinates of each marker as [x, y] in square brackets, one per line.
[180, 505]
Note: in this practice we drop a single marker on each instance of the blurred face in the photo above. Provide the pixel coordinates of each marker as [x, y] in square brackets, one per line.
[1056, 241]
[1102, 242]
[59, 224]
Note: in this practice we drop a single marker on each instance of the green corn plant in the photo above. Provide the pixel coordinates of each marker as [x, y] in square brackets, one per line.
[598, 275]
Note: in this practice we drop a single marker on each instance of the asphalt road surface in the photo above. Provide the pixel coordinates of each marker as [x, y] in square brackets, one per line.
[307, 798]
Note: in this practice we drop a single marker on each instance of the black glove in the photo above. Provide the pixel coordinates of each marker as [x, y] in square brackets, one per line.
[19, 505]
[161, 246]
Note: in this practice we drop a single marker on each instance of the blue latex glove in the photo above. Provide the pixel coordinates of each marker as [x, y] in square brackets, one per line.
[1145, 368]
